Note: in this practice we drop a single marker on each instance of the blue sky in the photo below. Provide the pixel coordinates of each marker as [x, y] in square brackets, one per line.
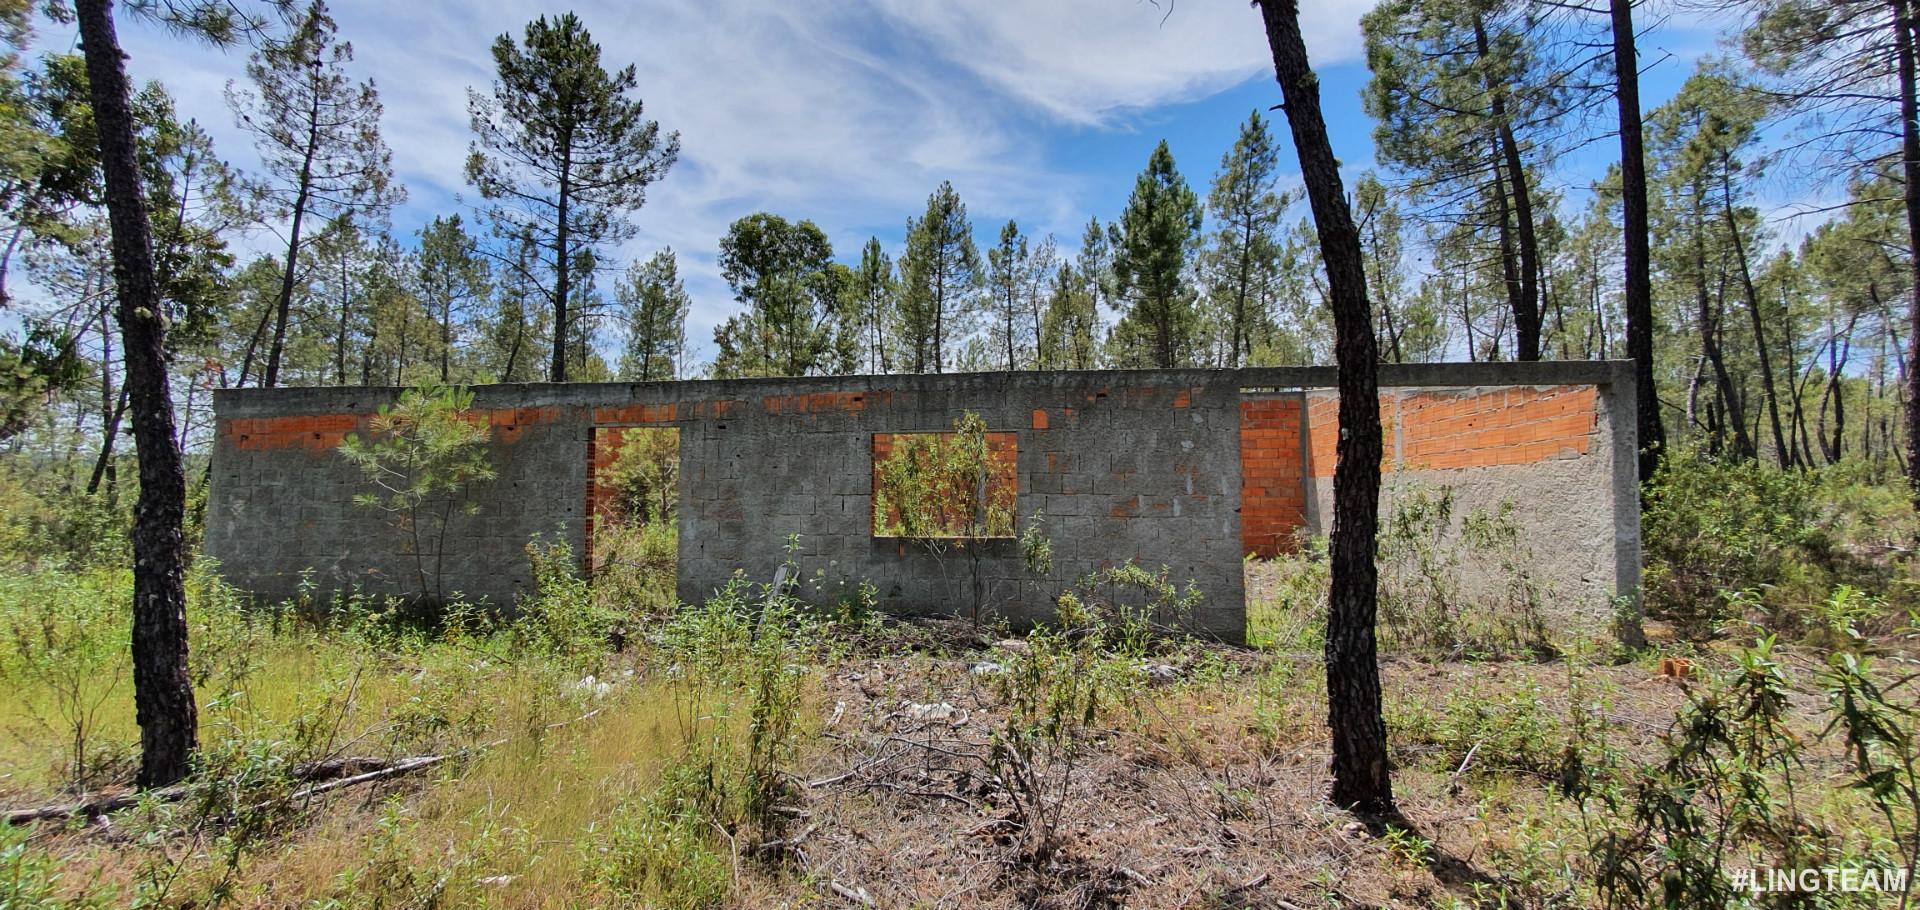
[849, 113]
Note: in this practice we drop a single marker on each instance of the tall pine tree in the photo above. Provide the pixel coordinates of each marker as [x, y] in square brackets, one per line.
[1157, 235]
[563, 154]
[656, 305]
[941, 273]
[318, 133]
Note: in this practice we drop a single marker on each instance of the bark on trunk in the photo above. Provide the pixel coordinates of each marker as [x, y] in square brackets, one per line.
[300, 199]
[1526, 289]
[1633, 210]
[1767, 387]
[162, 692]
[1361, 778]
[563, 265]
[1903, 26]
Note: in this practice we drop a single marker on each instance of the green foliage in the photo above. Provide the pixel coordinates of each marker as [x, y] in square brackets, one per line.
[1152, 244]
[656, 303]
[563, 153]
[1054, 688]
[636, 535]
[944, 485]
[1127, 603]
[563, 618]
[28, 877]
[33, 370]
[1036, 549]
[1247, 208]
[750, 642]
[63, 650]
[783, 272]
[1462, 586]
[1714, 528]
[660, 850]
[939, 273]
[1294, 620]
[421, 457]
[1504, 727]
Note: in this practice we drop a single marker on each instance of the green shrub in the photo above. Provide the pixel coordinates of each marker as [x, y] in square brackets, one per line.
[660, 850]
[28, 880]
[63, 653]
[1724, 537]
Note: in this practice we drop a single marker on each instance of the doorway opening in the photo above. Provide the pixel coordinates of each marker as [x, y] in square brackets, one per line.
[633, 523]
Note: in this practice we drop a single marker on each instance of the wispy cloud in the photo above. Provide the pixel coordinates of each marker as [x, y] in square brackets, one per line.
[848, 114]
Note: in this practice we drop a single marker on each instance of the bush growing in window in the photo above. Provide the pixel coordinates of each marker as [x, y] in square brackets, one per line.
[960, 484]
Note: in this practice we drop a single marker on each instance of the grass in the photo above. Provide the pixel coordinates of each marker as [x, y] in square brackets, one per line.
[752, 752]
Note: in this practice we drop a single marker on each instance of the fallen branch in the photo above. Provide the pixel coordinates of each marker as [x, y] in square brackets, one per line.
[856, 895]
[380, 769]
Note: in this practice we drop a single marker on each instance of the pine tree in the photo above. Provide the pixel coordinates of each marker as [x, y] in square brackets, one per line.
[1457, 86]
[656, 305]
[1246, 207]
[162, 689]
[940, 272]
[563, 154]
[450, 277]
[519, 322]
[1157, 234]
[780, 270]
[1409, 327]
[1070, 326]
[1009, 283]
[318, 133]
[877, 292]
[1361, 778]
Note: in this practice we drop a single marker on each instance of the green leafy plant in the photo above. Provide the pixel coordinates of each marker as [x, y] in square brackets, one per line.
[421, 456]
[947, 492]
[64, 640]
[944, 485]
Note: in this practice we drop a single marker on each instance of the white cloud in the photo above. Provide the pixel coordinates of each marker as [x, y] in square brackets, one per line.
[1087, 61]
[848, 114]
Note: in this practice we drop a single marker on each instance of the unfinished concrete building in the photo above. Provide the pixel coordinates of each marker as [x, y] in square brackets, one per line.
[1190, 469]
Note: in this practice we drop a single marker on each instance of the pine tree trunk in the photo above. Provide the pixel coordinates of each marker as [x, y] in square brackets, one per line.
[1525, 286]
[1360, 771]
[103, 466]
[1633, 209]
[1767, 387]
[162, 692]
[1903, 26]
[563, 267]
[1709, 319]
[300, 199]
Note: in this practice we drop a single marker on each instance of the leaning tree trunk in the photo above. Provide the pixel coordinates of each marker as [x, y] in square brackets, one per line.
[162, 692]
[1767, 387]
[1360, 770]
[1633, 211]
[1903, 25]
[1523, 276]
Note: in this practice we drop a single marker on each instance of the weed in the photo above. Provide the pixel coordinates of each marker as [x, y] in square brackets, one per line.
[65, 640]
[421, 457]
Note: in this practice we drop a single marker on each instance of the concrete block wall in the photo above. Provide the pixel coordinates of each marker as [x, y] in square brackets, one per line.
[1121, 465]
[1184, 468]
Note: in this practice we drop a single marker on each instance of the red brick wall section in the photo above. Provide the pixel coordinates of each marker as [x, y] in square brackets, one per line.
[1466, 429]
[1273, 506]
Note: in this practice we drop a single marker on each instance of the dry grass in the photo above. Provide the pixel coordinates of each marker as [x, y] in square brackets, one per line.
[1200, 789]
